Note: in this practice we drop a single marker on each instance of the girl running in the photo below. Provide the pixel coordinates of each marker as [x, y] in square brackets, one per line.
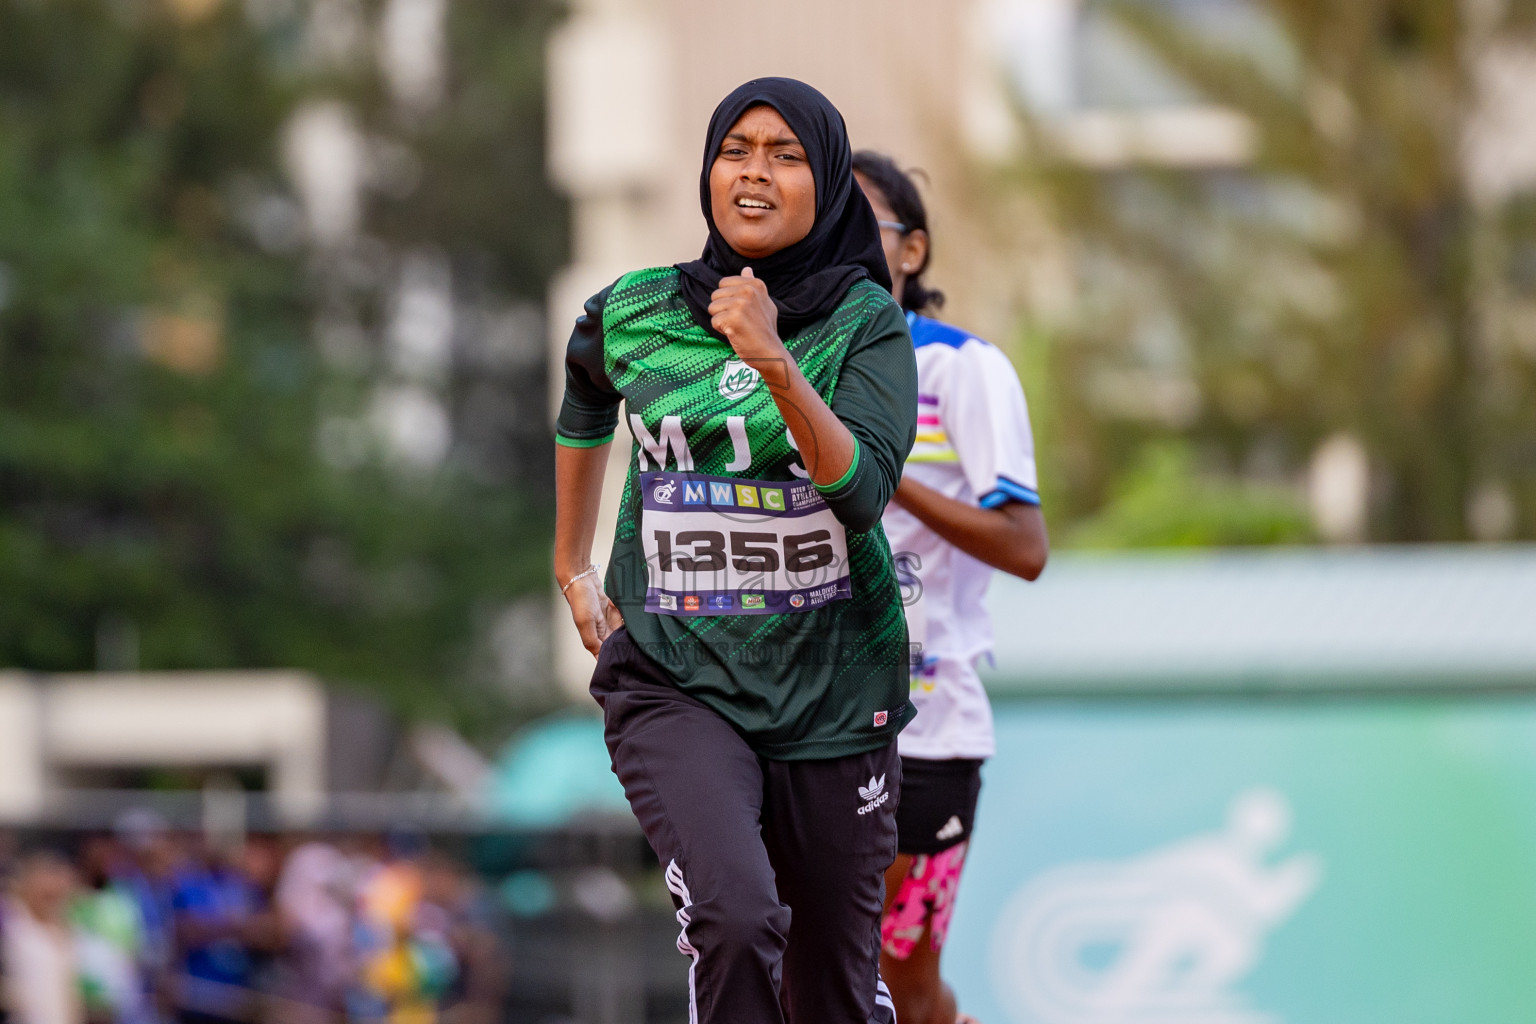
[967, 504]
[751, 648]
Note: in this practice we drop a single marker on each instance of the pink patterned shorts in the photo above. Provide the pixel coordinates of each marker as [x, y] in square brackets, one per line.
[926, 896]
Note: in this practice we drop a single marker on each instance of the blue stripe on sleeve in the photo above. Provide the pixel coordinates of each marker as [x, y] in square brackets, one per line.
[1008, 490]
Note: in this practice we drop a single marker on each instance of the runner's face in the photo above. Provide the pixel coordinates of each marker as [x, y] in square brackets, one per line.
[761, 189]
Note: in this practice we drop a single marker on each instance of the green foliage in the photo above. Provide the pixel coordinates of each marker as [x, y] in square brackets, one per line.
[1164, 502]
[1349, 279]
[161, 391]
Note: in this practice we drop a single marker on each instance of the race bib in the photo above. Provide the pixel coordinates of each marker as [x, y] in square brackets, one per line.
[720, 545]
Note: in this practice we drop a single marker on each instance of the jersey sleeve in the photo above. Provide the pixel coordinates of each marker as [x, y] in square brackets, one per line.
[987, 421]
[589, 413]
[876, 399]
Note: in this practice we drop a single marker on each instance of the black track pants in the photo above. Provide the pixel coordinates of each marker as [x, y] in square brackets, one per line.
[776, 867]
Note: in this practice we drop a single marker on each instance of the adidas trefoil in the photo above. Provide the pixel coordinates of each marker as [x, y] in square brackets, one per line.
[874, 793]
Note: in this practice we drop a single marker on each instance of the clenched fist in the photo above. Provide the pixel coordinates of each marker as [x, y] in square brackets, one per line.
[741, 310]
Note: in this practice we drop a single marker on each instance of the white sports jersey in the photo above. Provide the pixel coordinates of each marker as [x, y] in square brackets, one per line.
[973, 445]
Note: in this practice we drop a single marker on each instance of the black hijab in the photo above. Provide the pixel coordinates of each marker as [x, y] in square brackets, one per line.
[807, 280]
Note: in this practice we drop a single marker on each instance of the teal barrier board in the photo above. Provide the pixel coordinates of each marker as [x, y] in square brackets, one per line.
[1274, 862]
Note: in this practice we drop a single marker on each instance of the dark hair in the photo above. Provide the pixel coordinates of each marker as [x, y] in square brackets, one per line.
[900, 192]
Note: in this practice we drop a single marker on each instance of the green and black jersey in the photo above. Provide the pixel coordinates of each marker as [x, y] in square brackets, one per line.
[771, 599]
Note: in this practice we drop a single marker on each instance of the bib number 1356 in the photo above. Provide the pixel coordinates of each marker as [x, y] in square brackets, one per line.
[731, 546]
[745, 551]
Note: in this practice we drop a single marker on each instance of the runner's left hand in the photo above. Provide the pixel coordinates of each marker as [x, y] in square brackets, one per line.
[741, 310]
[595, 616]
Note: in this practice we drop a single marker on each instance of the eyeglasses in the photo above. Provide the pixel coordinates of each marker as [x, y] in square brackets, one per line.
[895, 225]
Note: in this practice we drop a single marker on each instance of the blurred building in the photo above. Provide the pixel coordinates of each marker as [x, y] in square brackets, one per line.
[74, 739]
[1283, 621]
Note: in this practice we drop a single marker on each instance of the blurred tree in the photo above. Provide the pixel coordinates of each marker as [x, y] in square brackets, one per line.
[1368, 275]
[235, 433]
[1164, 501]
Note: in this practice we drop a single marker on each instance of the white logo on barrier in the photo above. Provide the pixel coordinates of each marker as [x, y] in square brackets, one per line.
[1163, 938]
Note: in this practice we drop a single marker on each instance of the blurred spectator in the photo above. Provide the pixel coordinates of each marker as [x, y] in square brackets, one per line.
[386, 932]
[455, 905]
[219, 926]
[7, 851]
[407, 963]
[40, 966]
[311, 973]
[266, 930]
[146, 870]
[109, 939]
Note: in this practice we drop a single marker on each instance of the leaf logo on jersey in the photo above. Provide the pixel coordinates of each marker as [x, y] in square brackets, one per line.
[737, 380]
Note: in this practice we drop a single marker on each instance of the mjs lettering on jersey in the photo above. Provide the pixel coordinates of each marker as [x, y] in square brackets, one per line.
[669, 441]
